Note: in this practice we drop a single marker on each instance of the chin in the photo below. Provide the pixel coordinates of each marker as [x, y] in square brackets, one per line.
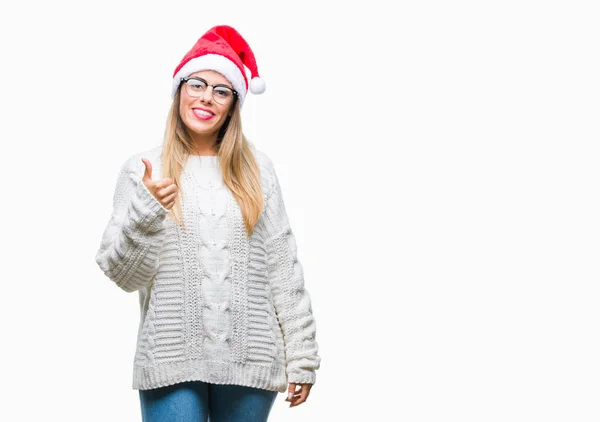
[201, 129]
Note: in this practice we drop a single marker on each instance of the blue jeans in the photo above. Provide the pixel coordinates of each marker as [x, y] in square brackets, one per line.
[195, 401]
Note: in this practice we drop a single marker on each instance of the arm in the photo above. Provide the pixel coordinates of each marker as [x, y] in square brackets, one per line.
[132, 240]
[291, 299]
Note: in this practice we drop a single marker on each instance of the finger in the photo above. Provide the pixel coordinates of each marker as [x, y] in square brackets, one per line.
[164, 192]
[302, 398]
[291, 391]
[163, 183]
[148, 171]
[170, 198]
[296, 390]
[294, 398]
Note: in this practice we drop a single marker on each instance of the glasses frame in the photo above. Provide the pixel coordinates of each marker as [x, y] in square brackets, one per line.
[196, 78]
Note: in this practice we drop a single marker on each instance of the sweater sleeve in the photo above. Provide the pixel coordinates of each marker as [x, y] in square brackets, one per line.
[130, 246]
[290, 297]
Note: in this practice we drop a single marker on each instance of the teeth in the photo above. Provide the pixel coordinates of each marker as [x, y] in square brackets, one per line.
[204, 113]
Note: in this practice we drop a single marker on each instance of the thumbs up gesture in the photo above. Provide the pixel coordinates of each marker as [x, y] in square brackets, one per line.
[164, 190]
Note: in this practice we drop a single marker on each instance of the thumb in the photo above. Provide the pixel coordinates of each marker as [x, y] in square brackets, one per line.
[148, 172]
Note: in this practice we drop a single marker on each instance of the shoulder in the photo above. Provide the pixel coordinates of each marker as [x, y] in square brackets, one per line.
[263, 160]
[134, 163]
[267, 169]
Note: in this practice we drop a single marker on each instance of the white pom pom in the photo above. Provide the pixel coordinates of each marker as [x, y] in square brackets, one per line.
[257, 86]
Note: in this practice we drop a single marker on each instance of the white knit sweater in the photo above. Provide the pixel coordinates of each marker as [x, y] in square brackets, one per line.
[215, 305]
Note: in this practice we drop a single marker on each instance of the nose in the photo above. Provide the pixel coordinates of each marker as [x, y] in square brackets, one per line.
[207, 96]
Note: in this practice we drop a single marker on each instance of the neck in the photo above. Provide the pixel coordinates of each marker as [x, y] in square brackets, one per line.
[204, 145]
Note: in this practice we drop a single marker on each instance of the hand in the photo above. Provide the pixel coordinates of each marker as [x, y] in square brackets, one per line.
[300, 396]
[165, 190]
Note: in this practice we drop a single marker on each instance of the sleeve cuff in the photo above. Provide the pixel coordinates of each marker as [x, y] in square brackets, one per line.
[304, 377]
[147, 212]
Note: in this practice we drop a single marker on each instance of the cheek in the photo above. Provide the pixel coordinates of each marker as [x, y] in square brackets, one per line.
[222, 118]
[185, 108]
[184, 117]
[182, 108]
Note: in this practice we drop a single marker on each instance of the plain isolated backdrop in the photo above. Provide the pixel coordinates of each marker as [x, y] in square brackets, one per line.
[439, 164]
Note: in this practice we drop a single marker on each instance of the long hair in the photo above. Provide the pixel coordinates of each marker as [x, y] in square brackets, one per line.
[240, 171]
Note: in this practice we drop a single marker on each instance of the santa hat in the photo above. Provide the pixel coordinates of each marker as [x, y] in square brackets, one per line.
[223, 50]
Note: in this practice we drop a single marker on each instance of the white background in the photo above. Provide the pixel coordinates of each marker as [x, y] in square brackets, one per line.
[439, 163]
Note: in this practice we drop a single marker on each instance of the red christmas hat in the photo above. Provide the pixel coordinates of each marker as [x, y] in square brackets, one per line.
[223, 50]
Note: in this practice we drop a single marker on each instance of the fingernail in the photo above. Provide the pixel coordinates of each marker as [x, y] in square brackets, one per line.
[290, 395]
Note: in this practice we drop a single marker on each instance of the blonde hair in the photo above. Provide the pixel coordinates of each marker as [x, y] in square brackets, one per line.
[240, 171]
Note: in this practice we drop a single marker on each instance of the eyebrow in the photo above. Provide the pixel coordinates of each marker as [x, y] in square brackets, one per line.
[223, 85]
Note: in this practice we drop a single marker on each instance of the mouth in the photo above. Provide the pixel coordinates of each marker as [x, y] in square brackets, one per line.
[202, 113]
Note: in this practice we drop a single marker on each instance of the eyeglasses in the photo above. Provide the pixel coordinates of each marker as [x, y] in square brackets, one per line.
[196, 87]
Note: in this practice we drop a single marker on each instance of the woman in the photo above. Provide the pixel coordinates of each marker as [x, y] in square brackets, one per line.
[199, 229]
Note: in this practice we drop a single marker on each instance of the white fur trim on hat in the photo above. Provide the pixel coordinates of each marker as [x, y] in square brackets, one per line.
[217, 63]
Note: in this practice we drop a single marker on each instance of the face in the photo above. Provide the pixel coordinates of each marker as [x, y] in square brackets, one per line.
[202, 115]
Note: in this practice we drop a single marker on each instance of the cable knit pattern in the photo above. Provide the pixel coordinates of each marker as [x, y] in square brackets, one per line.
[291, 300]
[215, 305]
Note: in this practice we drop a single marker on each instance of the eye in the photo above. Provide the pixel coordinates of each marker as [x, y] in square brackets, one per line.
[222, 92]
[196, 85]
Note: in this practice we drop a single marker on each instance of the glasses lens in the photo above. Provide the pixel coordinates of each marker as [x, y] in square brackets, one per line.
[195, 87]
[222, 95]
